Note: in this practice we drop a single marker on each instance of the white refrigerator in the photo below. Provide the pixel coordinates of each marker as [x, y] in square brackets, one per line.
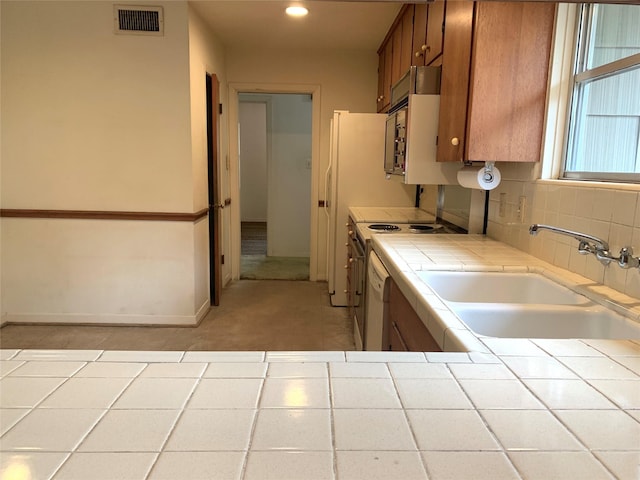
[355, 178]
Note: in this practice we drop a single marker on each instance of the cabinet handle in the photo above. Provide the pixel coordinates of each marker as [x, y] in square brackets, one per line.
[455, 142]
[426, 48]
[351, 260]
[419, 54]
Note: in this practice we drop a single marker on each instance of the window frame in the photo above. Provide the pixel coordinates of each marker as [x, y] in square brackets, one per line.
[580, 76]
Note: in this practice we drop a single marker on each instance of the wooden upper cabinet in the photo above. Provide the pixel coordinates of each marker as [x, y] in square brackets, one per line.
[428, 23]
[495, 65]
[402, 38]
[384, 76]
[454, 82]
[394, 55]
[508, 97]
[435, 31]
[419, 34]
[406, 50]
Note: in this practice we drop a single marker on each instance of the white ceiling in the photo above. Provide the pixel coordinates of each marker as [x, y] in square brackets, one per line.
[330, 24]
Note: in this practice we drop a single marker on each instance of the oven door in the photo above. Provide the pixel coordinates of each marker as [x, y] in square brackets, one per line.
[355, 288]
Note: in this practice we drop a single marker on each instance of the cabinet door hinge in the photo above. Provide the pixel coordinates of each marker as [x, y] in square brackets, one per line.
[220, 108]
[222, 259]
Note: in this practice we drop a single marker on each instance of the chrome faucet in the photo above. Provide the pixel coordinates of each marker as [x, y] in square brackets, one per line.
[594, 245]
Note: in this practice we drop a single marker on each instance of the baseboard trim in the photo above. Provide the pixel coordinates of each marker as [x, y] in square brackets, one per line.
[202, 311]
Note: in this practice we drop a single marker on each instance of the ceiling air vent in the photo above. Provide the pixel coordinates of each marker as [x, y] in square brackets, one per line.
[133, 20]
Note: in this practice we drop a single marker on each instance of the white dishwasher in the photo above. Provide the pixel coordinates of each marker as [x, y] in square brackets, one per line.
[376, 325]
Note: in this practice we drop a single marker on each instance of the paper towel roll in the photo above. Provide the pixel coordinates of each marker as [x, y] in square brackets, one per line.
[479, 177]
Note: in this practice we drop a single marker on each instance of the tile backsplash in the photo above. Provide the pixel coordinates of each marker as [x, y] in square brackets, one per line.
[612, 214]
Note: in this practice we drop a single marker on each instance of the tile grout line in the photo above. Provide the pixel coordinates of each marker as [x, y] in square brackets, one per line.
[177, 420]
[552, 411]
[406, 417]
[254, 423]
[105, 411]
[504, 450]
[332, 426]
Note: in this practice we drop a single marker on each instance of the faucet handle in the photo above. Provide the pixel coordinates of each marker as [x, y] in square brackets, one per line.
[627, 260]
[585, 248]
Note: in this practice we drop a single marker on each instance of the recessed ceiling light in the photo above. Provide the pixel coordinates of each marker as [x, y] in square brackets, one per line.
[296, 11]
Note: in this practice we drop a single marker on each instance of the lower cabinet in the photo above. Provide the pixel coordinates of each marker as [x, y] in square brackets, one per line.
[407, 333]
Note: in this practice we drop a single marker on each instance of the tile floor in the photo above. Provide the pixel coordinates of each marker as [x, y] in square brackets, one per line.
[253, 315]
[93, 414]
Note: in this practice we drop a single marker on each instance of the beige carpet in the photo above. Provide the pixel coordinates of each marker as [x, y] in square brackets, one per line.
[262, 267]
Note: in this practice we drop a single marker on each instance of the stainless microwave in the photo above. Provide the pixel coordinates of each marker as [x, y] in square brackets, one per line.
[411, 131]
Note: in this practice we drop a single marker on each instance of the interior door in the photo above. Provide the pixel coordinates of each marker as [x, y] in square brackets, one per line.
[215, 203]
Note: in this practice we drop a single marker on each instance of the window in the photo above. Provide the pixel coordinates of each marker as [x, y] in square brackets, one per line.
[604, 129]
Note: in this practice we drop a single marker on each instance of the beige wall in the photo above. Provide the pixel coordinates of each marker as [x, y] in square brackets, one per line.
[93, 120]
[98, 121]
[347, 80]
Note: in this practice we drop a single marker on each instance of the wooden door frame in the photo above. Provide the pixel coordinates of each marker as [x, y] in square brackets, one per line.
[234, 175]
[213, 182]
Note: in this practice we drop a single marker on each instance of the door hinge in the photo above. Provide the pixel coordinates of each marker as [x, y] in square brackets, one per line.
[220, 108]
[222, 259]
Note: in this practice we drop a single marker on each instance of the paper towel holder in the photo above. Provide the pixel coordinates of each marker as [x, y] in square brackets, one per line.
[488, 171]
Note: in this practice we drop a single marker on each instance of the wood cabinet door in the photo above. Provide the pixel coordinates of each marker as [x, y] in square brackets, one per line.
[406, 328]
[435, 31]
[396, 57]
[509, 70]
[396, 342]
[419, 34]
[406, 46]
[384, 75]
[454, 90]
[381, 80]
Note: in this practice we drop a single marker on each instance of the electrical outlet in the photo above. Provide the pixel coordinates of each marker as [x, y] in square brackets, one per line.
[522, 202]
[503, 205]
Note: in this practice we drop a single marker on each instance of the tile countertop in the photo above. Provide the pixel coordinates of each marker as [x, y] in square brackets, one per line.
[406, 254]
[560, 410]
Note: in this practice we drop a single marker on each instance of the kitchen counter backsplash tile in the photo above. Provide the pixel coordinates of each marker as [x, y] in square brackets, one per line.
[360, 415]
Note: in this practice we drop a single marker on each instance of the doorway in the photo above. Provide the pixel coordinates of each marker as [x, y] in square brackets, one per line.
[275, 171]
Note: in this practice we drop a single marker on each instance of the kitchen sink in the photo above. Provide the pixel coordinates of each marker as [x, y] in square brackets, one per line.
[500, 287]
[545, 321]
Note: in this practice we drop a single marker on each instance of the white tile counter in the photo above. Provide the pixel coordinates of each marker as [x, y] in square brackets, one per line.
[406, 254]
[322, 415]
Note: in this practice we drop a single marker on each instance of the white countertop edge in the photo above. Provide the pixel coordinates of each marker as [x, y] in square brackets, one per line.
[448, 330]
